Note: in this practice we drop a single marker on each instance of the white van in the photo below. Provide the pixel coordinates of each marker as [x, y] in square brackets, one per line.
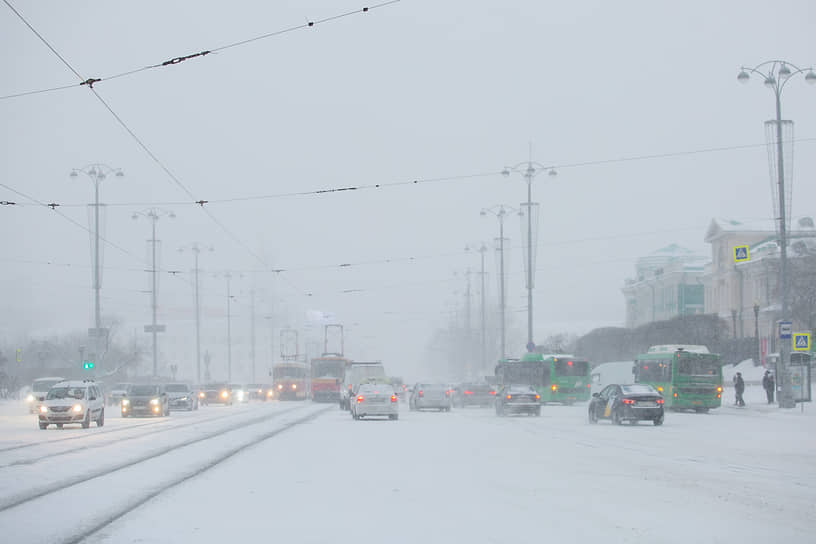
[619, 372]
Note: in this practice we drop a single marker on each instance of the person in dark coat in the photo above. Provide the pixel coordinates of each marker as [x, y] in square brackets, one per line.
[769, 386]
[739, 388]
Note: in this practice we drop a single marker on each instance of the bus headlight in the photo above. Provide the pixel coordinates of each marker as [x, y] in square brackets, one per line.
[294, 386]
[30, 398]
[154, 402]
[280, 386]
[125, 402]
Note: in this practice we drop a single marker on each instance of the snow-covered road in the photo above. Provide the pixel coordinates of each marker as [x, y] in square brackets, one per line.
[744, 475]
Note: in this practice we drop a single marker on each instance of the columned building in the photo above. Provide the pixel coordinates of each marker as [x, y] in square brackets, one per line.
[667, 283]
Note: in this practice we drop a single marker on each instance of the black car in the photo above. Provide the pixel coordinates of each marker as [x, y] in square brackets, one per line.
[632, 403]
[518, 399]
[474, 394]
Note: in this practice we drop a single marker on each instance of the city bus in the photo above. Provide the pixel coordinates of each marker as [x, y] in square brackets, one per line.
[290, 381]
[688, 377]
[557, 378]
[327, 376]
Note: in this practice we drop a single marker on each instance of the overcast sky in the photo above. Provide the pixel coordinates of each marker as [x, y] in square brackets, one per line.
[443, 92]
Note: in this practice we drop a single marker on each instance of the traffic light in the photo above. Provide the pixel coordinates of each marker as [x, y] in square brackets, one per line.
[87, 365]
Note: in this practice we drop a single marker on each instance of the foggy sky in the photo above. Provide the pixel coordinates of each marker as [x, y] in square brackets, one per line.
[418, 90]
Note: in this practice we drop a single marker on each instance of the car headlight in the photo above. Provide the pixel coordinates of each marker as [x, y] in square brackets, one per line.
[294, 386]
[43, 409]
[280, 386]
[77, 408]
[30, 398]
[202, 395]
[183, 399]
[125, 402]
[154, 402]
[224, 394]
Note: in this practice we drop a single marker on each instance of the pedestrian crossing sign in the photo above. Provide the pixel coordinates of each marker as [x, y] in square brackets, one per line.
[801, 341]
[740, 254]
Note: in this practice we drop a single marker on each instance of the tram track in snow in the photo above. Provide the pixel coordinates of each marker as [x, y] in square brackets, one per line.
[164, 425]
[20, 499]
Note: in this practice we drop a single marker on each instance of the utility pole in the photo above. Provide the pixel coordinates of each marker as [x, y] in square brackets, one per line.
[229, 330]
[196, 250]
[500, 212]
[252, 331]
[97, 173]
[154, 214]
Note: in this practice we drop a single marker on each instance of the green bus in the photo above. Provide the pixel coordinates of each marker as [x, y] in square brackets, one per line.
[557, 378]
[688, 377]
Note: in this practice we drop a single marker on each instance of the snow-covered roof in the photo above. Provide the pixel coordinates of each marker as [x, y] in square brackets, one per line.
[801, 224]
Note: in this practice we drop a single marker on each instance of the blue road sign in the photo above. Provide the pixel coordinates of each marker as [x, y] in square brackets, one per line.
[801, 341]
[785, 330]
[740, 254]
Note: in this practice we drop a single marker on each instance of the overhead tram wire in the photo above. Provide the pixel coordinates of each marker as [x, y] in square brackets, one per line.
[90, 82]
[142, 145]
[414, 181]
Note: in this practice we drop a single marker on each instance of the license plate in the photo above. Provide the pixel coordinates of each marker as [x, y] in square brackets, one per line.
[647, 403]
[696, 402]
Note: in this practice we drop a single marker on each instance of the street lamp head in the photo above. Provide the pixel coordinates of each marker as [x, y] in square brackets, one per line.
[530, 171]
[171, 215]
[743, 76]
[92, 171]
[770, 81]
[73, 173]
[483, 213]
[134, 216]
[784, 71]
[552, 172]
[810, 77]
[505, 172]
[120, 174]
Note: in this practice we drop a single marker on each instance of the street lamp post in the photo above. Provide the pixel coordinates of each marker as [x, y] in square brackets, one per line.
[756, 334]
[500, 212]
[196, 249]
[529, 169]
[154, 214]
[775, 75]
[97, 173]
[482, 249]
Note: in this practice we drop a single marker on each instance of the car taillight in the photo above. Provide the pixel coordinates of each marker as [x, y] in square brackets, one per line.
[508, 397]
[447, 393]
[588, 386]
[492, 392]
[660, 401]
[359, 398]
[393, 398]
[468, 392]
[627, 401]
[420, 394]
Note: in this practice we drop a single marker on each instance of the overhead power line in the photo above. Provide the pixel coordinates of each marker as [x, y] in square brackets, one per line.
[91, 81]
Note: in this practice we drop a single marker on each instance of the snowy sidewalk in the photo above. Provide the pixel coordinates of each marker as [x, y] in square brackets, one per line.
[757, 403]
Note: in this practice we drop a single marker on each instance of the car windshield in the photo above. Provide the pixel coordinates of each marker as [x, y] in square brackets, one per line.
[143, 390]
[66, 393]
[639, 389]
[42, 386]
[176, 388]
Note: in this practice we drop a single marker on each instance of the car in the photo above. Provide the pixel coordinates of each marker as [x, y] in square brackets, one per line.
[627, 402]
[39, 389]
[147, 400]
[181, 396]
[117, 393]
[375, 400]
[217, 393]
[473, 394]
[430, 396]
[256, 391]
[72, 401]
[239, 393]
[518, 399]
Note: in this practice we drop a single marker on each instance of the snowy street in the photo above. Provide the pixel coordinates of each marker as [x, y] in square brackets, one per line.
[302, 472]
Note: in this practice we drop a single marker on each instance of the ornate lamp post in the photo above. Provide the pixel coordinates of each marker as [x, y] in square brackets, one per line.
[775, 75]
[529, 169]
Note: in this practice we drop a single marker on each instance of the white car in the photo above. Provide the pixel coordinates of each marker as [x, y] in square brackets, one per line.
[375, 400]
[73, 402]
[39, 389]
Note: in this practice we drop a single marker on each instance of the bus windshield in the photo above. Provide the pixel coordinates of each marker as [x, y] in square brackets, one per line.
[327, 369]
[522, 372]
[569, 367]
[698, 366]
[653, 371]
[279, 372]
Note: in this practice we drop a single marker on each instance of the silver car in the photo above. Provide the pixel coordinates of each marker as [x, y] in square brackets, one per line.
[375, 400]
[430, 396]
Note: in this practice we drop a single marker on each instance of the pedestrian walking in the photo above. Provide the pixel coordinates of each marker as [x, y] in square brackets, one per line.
[739, 389]
[769, 385]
